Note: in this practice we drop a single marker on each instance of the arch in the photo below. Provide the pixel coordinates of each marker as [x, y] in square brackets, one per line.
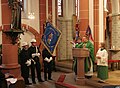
[33, 31]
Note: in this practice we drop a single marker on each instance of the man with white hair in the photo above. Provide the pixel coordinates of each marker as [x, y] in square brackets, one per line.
[24, 62]
[34, 54]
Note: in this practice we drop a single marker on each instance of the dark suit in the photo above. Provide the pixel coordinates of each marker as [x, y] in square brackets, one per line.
[3, 82]
[37, 65]
[47, 65]
[24, 56]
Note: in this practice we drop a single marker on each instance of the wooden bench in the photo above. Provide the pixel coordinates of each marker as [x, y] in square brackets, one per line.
[112, 63]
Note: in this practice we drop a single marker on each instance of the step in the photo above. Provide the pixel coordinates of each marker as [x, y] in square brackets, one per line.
[64, 65]
[94, 83]
[62, 69]
[64, 85]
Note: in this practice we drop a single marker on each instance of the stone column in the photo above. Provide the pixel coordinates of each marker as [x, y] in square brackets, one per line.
[96, 24]
[42, 12]
[84, 16]
[10, 54]
[9, 51]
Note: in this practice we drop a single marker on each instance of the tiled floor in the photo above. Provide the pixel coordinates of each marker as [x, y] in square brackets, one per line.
[114, 79]
[46, 84]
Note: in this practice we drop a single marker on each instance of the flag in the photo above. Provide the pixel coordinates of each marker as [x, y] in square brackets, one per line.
[51, 37]
[89, 34]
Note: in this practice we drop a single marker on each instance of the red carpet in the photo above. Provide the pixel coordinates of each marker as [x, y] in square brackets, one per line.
[60, 83]
[61, 78]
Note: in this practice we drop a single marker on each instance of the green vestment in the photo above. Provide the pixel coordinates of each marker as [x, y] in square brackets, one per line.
[88, 60]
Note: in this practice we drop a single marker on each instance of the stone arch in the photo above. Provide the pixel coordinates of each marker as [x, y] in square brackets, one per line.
[33, 31]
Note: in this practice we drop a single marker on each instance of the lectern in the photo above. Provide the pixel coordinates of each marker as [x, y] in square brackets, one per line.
[80, 54]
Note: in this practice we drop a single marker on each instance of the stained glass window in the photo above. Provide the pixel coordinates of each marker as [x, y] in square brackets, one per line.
[77, 8]
[60, 8]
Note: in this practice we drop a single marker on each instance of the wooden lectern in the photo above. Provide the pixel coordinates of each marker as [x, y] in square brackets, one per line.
[80, 53]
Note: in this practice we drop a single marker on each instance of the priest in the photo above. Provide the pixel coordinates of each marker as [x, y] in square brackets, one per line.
[89, 61]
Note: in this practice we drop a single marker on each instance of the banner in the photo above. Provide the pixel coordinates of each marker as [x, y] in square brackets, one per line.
[89, 34]
[51, 37]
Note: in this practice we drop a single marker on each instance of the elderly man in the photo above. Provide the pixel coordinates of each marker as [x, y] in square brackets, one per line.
[89, 61]
[34, 54]
[24, 59]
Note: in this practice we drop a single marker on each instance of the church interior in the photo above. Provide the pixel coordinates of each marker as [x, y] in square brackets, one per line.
[24, 20]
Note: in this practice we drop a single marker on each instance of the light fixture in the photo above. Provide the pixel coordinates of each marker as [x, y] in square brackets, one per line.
[31, 14]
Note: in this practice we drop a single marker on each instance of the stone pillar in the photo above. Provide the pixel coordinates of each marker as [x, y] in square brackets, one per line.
[10, 54]
[50, 6]
[109, 20]
[42, 12]
[42, 19]
[84, 16]
[96, 25]
[9, 51]
[10, 59]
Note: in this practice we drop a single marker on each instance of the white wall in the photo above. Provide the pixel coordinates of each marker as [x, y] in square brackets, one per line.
[35, 8]
[34, 22]
[101, 10]
[26, 37]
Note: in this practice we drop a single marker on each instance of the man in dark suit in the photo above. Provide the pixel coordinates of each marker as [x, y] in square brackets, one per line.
[24, 59]
[34, 54]
[48, 64]
[3, 82]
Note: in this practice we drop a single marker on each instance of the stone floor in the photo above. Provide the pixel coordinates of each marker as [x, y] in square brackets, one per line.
[114, 79]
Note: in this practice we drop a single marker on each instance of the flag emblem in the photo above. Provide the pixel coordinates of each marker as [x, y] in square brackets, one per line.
[51, 37]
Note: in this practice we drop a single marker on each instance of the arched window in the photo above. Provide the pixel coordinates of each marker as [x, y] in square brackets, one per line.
[77, 8]
[60, 8]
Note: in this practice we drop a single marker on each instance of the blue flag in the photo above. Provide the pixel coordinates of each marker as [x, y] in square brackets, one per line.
[50, 37]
